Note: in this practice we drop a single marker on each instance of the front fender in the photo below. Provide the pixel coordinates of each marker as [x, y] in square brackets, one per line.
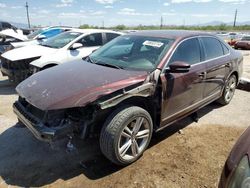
[40, 64]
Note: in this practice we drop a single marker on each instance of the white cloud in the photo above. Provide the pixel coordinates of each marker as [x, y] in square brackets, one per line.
[128, 10]
[106, 1]
[65, 3]
[166, 4]
[210, 15]
[16, 7]
[44, 11]
[2, 5]
[108, 6]
[97, 13]
[234, 2]
[71, 15]
[168, 14]
[132, 12]
[188, 1]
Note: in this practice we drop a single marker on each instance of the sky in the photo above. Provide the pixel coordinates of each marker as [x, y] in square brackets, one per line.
[127, 12]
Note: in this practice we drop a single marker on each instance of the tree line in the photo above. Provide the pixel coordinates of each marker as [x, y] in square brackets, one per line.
[221, 27]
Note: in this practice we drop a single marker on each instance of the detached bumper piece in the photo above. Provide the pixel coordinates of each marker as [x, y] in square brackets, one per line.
[40, 130]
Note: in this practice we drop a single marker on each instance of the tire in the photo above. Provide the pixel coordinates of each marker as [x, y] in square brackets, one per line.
[228, 91]
[121, 141]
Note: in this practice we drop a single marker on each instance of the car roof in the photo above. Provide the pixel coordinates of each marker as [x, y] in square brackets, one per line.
[173, 34]
[92, 30]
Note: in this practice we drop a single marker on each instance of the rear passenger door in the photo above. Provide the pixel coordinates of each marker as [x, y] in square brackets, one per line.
[217, 61]
[183, 91]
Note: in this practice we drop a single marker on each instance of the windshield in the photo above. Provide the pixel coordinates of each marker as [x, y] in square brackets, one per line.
[132, 52]
[35, 33]
[61, 40]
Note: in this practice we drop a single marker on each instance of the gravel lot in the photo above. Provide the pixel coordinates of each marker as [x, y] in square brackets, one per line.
[193, 158]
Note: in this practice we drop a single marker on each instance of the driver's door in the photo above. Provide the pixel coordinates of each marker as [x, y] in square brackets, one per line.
[182, 92]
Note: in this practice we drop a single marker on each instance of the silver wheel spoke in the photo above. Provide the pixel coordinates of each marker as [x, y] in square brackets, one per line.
[135, 148]
[142, 134]
[134, 138]
[125, 148]
[232, 86]
[127, 130]
[138, 124]
[227, 95]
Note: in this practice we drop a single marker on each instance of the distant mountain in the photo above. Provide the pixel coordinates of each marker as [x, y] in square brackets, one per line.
[215, 23]
[18, 25]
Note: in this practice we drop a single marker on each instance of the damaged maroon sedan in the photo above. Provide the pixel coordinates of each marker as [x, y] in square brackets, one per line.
[133, 86]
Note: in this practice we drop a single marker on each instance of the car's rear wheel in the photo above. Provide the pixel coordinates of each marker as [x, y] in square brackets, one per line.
[126, 135]
[228, 91]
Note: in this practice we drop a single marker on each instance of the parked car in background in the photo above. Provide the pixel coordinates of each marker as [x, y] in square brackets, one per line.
[230, 38]
[8, 36]
[6, 25]
[134, 85]
[244, 43]
[40, 36]
[236, 171]
[20, 63]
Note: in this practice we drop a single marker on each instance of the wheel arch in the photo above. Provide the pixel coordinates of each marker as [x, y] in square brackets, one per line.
[49, 65]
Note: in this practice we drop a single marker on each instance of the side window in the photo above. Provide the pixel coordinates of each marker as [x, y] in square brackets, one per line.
[91, 40]
[212, 48]
[225, 49]
[111, 36]
[188, 51]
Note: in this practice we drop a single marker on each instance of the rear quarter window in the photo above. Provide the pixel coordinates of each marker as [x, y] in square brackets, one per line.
[212, 48]
[111, 36]
[225, 49]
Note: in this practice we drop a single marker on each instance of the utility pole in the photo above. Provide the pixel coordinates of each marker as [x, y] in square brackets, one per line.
[27, 11]
[161, 23]
[235, 17]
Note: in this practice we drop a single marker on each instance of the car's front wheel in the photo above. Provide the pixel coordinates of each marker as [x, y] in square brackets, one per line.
[126, 135]
[228, 91]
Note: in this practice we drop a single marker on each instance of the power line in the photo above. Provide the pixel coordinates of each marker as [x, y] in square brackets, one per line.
[161, 22]
[235, 17]
[27, 11]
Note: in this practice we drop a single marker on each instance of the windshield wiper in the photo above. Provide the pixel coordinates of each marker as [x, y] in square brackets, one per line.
[109, 65]
[45, 45]
[89, 59]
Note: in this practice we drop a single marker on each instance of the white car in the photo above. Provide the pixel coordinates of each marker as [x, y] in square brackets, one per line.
[20, 63]
[40, 36]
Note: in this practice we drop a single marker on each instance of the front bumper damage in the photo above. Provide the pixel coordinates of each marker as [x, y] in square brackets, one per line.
[16, 70]
[39, 129]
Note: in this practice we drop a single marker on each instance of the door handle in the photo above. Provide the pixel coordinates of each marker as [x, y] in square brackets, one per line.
[202, 74]
[228, 65]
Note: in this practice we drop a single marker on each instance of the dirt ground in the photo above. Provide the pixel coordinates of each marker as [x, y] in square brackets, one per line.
[192, 158]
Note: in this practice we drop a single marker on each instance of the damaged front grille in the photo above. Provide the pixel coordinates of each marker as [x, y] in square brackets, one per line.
[51, 118]
[19, 70]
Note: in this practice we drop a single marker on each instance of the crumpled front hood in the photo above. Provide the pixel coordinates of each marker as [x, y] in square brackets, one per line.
[25, 43]
[27, 52]
[15, 34]
[75, 84]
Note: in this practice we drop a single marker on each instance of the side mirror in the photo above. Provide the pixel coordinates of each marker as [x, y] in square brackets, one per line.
[76, 46]
[179, 67]
[41, 37]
